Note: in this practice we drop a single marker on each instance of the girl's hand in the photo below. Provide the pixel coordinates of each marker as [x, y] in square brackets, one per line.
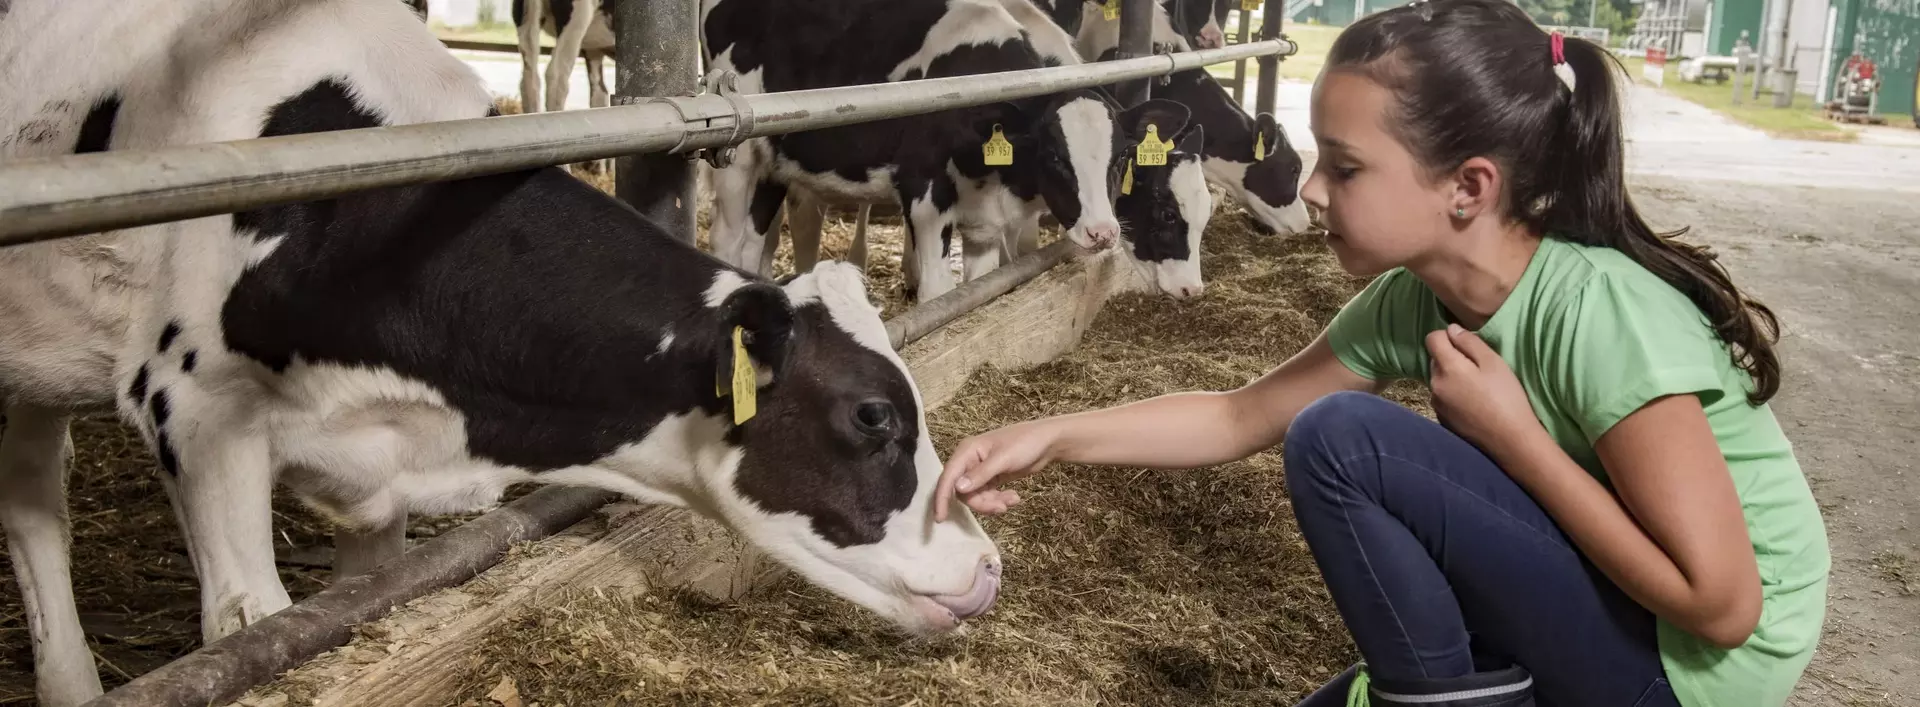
[980, 464]
[1477, 394]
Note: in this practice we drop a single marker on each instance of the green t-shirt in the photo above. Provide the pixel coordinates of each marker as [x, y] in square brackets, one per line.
[1593, 336]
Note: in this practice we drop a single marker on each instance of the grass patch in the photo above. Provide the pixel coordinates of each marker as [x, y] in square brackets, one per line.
[1802, 120]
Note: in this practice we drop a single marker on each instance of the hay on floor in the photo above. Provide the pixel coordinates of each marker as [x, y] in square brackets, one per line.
[1123, 585]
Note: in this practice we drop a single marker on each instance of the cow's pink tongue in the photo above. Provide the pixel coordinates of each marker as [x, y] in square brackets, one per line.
[978, 599]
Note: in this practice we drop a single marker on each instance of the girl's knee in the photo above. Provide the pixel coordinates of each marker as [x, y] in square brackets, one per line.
[1329, 431]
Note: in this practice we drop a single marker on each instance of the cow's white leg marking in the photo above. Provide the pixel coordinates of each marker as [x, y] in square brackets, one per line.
[596, 80]
[34, 450]
[728, 236]
[566, 48]
[529, 31]
[226, 497]
[932, 276]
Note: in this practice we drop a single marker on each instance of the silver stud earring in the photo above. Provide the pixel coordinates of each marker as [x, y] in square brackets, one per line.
[1459, 213]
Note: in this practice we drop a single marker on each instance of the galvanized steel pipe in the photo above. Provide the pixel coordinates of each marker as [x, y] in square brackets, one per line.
[47, 198]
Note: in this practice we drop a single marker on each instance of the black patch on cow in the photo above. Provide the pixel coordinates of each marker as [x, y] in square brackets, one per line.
[188, 361]
[160, 408]
[323, 107]
[946, 240]
[138, 391]
[861, 408]
[169, 460]
[167, 334]
[558, 12]
[97, 130]
[767, 198]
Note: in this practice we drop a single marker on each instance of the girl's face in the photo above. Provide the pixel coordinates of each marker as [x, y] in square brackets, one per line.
[1379, 209]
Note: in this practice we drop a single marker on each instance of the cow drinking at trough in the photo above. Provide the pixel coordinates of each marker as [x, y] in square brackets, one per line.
[415, 350]
[1065, 147]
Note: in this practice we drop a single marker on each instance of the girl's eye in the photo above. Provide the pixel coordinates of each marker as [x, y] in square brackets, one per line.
[1344, 173]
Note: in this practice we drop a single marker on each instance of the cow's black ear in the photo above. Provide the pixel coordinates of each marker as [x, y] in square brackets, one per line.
[1192, 141]
[1269, 134]
[765, 319]
[1167, 117]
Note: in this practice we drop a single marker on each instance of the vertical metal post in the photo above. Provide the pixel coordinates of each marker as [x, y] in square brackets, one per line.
[1240, 67]
[1136, 40]
[656, 53]
[1271, 13]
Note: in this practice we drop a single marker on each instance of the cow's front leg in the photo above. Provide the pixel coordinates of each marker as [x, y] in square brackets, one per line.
[746, 207]
[220, 477]
[566, 48]
[805, 219]
[34, 450]
[529, 35]
[930, 217]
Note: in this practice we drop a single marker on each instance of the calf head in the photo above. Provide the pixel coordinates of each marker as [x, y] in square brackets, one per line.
[1077, 139]
[1268, 179]
[1165, 233]
[833, 473]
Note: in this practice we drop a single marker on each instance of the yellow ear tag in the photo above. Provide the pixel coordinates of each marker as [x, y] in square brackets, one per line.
[1249, 5]
[1259, 146]
[997, 151]
[1126, 182]
[1112, 9]
[744, 381]
[1152, 151]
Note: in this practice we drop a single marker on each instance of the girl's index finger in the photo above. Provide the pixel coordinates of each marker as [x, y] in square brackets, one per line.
[963, 458]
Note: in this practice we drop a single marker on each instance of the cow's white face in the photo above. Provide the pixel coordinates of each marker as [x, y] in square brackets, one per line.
[1077, 142]
[835, 473]
[1164, 233]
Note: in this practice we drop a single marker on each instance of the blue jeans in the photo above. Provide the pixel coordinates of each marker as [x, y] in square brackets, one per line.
[1443, 567]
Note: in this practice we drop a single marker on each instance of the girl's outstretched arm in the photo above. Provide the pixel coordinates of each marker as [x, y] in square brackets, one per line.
[1174, 431]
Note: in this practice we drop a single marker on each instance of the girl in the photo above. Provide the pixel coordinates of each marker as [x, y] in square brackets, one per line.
[1610, 514]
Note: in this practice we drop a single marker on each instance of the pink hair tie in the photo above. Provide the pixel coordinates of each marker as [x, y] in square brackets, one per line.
[1560, 66]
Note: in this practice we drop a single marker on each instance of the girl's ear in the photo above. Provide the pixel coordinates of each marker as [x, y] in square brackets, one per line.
[1476, 186]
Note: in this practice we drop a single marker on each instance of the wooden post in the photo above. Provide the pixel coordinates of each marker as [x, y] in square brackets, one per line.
[656, 53]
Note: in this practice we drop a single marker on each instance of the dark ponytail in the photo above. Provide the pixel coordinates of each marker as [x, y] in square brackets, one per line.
[1475, 78]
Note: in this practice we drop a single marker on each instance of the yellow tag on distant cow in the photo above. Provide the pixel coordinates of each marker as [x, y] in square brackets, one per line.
[997, 151]
[1259, 146]
[1112, 9]
[1126, 182]
[1153, 151]
[1249, 5]
[744, 381]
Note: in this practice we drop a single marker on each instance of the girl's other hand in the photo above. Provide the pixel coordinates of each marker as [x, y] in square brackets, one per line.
[1477, 394]
[980, 464]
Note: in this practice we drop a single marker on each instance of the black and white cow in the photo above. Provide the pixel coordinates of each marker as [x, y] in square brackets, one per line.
[1160, 220]
[1065, 145]
[1249, 156]
[416, 350]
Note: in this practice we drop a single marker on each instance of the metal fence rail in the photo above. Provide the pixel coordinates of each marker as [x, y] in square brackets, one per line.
[47, 198]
